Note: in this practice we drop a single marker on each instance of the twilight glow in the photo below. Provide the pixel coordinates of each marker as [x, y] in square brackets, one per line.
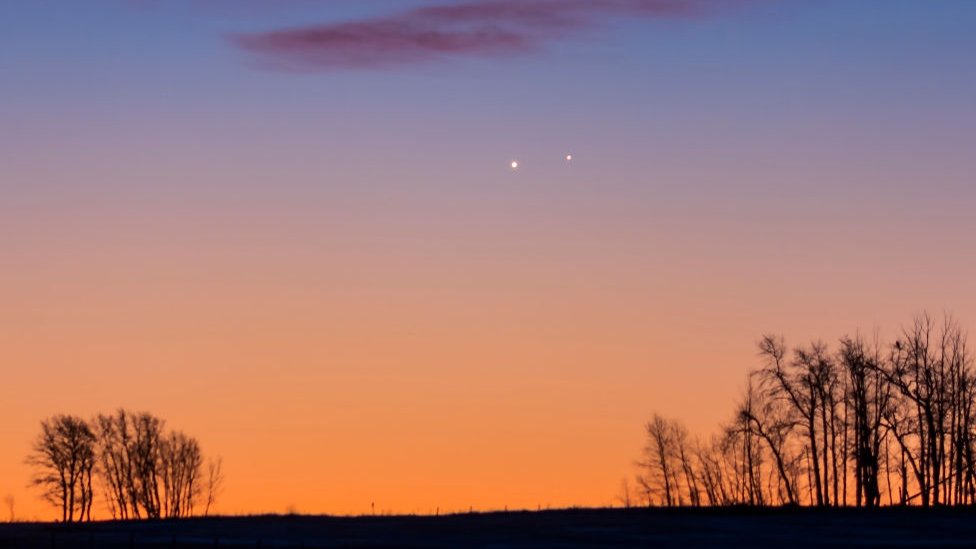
[293, 230]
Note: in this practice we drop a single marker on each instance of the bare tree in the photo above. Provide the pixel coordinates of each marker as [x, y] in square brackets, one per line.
[64, 459]
[931, 370]
[676, 471]
[713, 477]
[215, 483]
[624, 497]
[868, 395]
[770, 422]
[180, 466]
[798, 385]
[684, 455]
[115, 447]
[896, 419]
[8, 500]
[129, 450]
[660, 475]
[146, 471]
[145, 456]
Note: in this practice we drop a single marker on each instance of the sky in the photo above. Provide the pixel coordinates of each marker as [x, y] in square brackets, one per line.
[291, 228]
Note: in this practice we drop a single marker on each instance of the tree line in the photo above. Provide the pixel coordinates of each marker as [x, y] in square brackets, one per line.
[862, 422]
[141, 469]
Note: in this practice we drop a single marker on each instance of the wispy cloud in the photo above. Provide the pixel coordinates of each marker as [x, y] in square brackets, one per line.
[446, 31]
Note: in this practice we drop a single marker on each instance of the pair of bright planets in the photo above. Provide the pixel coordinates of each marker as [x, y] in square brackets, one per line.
[515, 163]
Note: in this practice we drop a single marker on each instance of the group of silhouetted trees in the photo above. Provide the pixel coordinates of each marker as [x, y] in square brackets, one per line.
[862, 423]
[142, 469]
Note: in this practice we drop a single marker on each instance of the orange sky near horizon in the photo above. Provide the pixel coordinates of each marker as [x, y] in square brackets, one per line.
[420, 371]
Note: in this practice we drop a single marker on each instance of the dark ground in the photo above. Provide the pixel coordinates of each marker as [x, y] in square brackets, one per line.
[583, 528]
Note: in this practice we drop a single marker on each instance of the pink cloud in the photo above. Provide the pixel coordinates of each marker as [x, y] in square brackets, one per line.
[444, 31]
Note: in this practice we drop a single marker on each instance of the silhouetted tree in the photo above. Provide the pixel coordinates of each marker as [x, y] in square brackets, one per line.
[64, 459]
[8, 500]
[148, 472]
[684, 456]
[767, 420]
[215, 483]
[798, 385]
[145, 471]
[868, 396]
[712, 474]
[115, 448]
[921, 369]
[898, 419]
[659, 473]
[180, 466]
[624, 497]
[129, 447]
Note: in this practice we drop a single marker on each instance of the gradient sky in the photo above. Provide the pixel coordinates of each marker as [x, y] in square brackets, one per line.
[319, 263]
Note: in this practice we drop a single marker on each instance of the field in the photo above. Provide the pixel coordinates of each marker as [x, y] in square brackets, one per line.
[569, 529]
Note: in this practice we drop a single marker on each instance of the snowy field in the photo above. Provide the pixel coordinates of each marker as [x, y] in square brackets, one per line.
[589, 528]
